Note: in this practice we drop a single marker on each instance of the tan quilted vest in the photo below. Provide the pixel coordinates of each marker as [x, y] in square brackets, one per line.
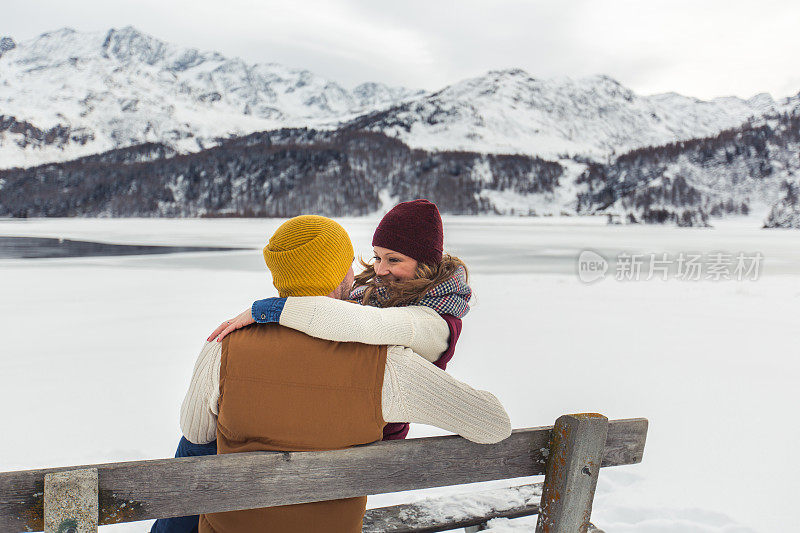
[285, 391]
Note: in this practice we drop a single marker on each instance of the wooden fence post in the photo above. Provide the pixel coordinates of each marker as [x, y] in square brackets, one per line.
[573, 463]
[70, 501]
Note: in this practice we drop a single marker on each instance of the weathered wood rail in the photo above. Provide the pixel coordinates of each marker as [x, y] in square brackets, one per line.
[569, 453]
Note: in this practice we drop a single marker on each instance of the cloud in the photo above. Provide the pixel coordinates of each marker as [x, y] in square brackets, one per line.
[705, 49]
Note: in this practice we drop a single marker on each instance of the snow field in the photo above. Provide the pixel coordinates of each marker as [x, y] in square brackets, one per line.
[98, 353]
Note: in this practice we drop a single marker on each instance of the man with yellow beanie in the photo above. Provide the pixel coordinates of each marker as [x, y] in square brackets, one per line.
[268, 387]
[309, 256]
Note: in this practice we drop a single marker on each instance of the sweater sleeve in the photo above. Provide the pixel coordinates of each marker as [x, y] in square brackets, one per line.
[200, 406]
[417, 327]
[415, 390]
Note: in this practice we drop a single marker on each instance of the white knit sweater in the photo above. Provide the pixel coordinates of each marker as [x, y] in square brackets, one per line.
[414, 390]
[417, 327]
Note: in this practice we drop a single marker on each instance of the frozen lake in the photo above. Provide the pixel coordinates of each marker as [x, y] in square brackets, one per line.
[99, 351]
[49, 248]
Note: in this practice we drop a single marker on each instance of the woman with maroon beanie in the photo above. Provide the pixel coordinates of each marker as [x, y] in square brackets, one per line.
[412, 294]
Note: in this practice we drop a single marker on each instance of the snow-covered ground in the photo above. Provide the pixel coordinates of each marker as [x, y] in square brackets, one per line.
[98, 351]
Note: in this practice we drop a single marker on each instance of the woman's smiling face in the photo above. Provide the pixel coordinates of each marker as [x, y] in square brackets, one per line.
[393, 266]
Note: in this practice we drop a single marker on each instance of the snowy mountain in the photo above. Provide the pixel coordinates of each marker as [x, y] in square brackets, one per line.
[121, 105]
[342, 172]
[508, 111]
[66, 94]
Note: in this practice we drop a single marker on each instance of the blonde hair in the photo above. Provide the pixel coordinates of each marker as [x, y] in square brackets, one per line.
[410, 291]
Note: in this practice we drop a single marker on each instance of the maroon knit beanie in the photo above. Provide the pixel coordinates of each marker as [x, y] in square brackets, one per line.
[413, 229]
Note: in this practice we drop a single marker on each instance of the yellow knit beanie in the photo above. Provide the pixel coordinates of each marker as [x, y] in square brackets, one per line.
[308, 255]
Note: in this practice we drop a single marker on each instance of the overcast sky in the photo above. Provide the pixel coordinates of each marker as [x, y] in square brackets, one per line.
[702, 48]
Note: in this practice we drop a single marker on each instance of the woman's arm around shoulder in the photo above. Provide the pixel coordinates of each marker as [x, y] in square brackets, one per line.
[417, 327]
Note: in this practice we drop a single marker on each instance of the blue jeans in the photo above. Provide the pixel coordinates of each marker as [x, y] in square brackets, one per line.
[184, 524]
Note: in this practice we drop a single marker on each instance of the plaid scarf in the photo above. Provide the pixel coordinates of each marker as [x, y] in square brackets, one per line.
[450, 297]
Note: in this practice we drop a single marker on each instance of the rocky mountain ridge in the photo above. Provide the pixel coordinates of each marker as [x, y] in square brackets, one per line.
[596, 118]
[123, 87]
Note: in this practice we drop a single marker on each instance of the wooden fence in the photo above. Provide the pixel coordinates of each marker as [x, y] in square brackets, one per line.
[77, 499]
